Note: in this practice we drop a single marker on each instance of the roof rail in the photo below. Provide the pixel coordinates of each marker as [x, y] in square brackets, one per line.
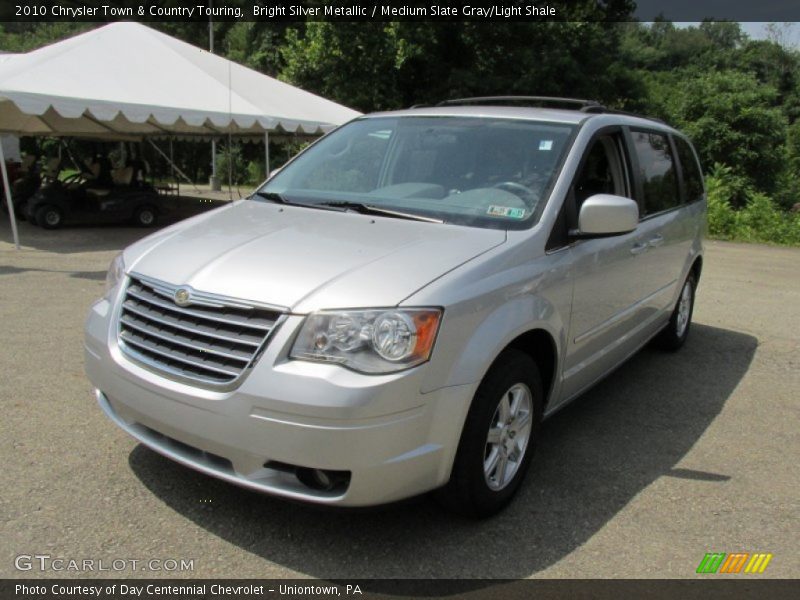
[615, 111]
[587, 106]
[533, 100]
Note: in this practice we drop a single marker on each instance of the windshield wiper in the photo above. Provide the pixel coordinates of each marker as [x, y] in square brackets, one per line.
[279, 199]
[272, 197]
[368, 209]
[364, 209]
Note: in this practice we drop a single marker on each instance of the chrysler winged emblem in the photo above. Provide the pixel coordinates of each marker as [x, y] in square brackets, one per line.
[183, 297]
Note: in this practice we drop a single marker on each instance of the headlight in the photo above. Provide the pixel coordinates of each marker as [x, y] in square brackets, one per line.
[370, 341]
[115, 274]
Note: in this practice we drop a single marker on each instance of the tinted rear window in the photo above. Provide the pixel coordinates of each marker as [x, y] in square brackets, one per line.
[657, 171]
[692, 178]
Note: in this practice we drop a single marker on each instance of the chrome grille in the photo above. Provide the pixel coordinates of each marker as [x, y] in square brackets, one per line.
[212, 340]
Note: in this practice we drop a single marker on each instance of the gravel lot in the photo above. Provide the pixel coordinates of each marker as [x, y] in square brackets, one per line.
[671, 457]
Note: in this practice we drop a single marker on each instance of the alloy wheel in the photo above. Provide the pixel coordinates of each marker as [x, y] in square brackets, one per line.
[684, 309]
[508, 436]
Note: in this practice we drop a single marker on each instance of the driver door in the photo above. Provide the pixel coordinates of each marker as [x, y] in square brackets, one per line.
[608, 275]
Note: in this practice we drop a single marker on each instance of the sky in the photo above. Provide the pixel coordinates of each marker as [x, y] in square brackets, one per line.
[758, 31]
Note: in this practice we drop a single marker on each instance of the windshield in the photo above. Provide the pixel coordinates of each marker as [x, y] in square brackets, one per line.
[473, 171]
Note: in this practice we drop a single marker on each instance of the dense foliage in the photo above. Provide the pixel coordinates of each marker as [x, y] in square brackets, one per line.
[737, 98]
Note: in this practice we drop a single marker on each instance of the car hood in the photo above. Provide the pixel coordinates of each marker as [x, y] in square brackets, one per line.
[307, 259]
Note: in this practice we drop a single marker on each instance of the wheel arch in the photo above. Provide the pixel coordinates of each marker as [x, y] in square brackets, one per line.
[146, 203]
[697, 268]
[542, 348]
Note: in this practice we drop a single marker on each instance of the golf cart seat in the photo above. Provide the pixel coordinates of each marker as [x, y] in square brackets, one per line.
[93, 170]
[27, 162]
[122, 176]
[52, 168]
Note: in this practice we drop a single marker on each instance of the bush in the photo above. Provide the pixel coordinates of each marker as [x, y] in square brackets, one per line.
[760, 220]
[721, 217]
[787, 193]
[231, 166]
[255, 172]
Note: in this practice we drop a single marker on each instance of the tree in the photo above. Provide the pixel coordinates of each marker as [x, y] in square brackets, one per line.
[776, 66]
[732, 119]
[663, 46]
[24, 37]
[350, 63]
[373, 66]
[257, 45]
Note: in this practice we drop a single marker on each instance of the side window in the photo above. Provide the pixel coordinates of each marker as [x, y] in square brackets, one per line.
[603, 171]
[692, 178]
[657, 170]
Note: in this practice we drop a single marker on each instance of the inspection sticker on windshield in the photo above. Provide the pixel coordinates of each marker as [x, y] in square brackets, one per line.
[506, 211]
[545, 145]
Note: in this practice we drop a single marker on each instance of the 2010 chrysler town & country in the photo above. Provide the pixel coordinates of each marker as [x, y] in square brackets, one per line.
[399, 307]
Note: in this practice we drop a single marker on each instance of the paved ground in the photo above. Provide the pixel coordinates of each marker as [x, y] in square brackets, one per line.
[671, 457]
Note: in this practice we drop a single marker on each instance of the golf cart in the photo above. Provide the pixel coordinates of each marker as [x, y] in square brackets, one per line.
[97, 194]
[25, 179]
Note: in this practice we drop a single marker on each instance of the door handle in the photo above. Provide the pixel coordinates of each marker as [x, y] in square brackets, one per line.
[656, 241]
[638, 248]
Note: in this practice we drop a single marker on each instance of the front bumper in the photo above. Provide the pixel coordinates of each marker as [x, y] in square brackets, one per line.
[394, 441]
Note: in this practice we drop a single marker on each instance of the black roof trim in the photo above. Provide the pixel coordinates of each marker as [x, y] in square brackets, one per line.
[531, 100]
[613, 111]
[586, 106]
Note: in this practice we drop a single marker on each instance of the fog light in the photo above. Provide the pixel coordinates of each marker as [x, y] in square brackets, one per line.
[323, 480]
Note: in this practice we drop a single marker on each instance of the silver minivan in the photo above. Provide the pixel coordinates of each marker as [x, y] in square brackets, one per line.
[399, 308]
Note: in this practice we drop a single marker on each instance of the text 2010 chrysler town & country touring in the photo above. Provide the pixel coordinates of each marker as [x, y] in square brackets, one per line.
[399, 307]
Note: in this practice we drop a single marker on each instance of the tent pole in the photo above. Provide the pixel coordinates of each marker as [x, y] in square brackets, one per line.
[173, 166]
[214, 183]
[230, 167]
[266, 153]
[9, 199]
[213, 161]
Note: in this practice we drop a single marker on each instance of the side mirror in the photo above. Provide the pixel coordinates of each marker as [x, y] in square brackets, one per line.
[607, 214]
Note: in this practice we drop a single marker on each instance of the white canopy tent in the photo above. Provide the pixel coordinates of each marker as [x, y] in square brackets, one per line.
[127, 81]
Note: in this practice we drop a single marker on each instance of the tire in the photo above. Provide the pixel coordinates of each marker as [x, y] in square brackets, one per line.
[476, 489]
[49, 216]
[145, 216]
[674, 335]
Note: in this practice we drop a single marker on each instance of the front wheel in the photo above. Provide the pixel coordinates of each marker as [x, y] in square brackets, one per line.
[49, 217]
[145, 216]
[674, 335]
[498, 439]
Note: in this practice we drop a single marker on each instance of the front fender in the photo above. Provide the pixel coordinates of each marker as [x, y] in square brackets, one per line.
[474, 340]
